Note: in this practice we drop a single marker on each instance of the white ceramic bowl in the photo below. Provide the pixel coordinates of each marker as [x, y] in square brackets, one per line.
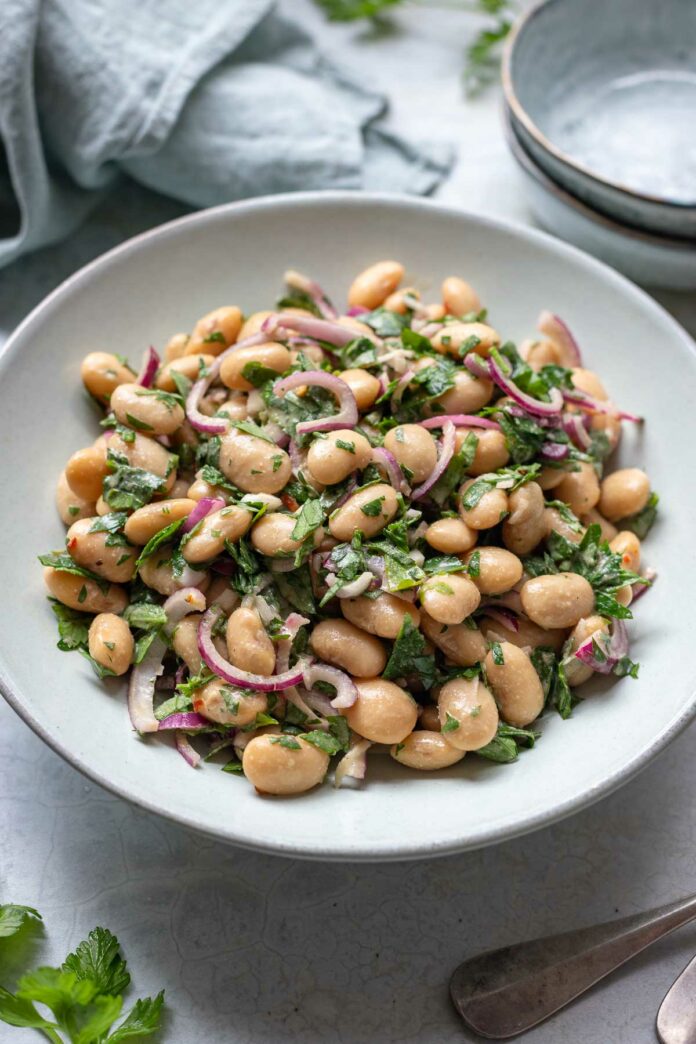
[161, 282]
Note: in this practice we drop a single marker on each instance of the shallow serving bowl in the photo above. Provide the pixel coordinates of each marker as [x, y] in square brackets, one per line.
[655, 261]
[603, 97]
[161, 282]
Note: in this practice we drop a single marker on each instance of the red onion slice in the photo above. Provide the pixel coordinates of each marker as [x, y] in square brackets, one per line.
[148, 370]
[401, 387]
[184, 720]
[356, 587]
[310, 326]
[347, 416]
[460, 420]
[476, 365]
[198, 420]
[141, 688]
[387, 462]
[555, 450]
[449, 434]
[612, 646]
[346, 693]
[283, 647]
[558, 333]
[640, 589]
[299, 282]
[504, 616]
[242, 679]
[530, 404]
[592, 405]
[356, 310]
[574, 426]
[183, 745]
[204, 507]
[353, 765]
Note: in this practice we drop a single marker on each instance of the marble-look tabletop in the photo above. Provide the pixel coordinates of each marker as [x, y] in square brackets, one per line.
[252, 948]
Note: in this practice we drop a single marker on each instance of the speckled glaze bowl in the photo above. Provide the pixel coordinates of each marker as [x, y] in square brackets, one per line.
[163, 281]
[602, 94]
[661, 262]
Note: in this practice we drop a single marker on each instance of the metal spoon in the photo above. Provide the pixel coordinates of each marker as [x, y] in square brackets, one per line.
[505, 992]
[676, 1019]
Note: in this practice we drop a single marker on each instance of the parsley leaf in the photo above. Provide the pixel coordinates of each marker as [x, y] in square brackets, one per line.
[141, 1021]
[158, 539]
[12, 917]
[384, 322]
[308, 519]
[324, 741]
[358, 354]
[506, 743]
[408, 656]
[642, 522]
[296, 588]
[113, 524]
[128, 488]
[97, 958]
[248, 427]
[373, 507]
[73, 627]
[145, 615]
[64, 562]
[258, 374]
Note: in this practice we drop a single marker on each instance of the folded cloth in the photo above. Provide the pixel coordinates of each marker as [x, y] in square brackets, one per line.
[206, 101]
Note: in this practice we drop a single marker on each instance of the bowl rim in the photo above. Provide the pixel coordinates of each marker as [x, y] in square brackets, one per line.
[597, 217]
[364, 852]
[521, 114]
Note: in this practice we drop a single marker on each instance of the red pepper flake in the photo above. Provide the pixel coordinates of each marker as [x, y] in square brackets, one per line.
[289, 502]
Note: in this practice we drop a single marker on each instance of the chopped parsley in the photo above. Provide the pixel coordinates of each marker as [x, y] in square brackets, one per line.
[408, 656]
[642, 522]
[373, 507]
[451, 723]
[507, 743]
[161, 537]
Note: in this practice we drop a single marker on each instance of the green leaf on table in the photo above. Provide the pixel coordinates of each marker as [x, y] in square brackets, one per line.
[12, 917]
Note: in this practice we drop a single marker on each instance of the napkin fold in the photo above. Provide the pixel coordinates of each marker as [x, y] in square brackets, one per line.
[203, 100]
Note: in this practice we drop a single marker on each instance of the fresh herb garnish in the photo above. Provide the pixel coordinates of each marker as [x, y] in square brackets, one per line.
[84, 996]
[642, 522]
[161, 537]
[507, 742]
[63, 562]
[12, 917]
[408, 656]
[128, 488]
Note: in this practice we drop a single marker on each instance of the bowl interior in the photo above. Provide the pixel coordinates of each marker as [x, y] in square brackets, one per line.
[161, 283]
[613, 86]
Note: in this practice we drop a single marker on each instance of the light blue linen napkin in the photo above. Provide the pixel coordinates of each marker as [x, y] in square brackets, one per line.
[203, 100]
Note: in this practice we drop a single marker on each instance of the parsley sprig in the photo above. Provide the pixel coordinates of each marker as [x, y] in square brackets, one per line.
[84, 995]
[483, 53]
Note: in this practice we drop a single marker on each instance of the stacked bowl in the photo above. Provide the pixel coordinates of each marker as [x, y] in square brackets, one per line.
[600, 115]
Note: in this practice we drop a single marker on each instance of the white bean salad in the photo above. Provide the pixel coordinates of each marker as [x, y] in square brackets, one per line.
[308, 534]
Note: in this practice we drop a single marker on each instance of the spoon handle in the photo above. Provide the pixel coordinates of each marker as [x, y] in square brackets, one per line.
[505, 992]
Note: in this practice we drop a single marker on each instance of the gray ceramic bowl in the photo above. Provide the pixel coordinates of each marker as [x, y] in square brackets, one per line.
[664, 262]
[603, 97]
